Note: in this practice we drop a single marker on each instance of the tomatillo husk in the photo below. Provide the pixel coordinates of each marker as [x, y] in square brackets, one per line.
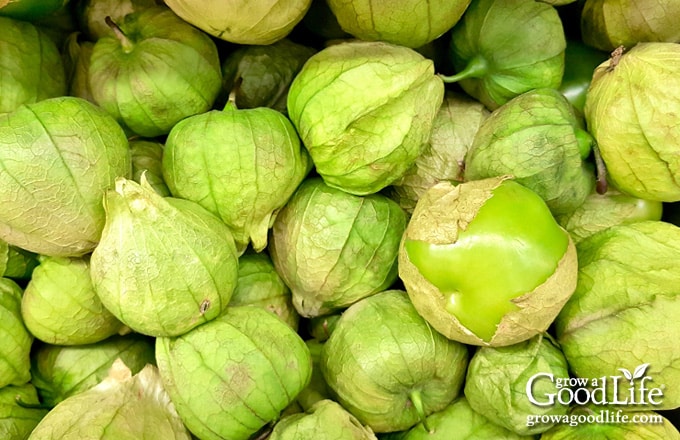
[631, 110]
[409, 23]
[387, 365]
[164, 265]
[232, 376]
[78, 151]
[364, 111]
[623, 311]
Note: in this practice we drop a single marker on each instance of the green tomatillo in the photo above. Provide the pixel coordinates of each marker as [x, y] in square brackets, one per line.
[631, 109]
[485, 262]
[60, 305]
[537, 138]
[260, 76]
[494, 62]
[242, 22]
[460, 421]
[15, 349]
[154, 62]
[622, 315]
[78, 151]
[92, 14]
[122, 406]
[241, 165]
[326, 420]
[261, 286]
[365, 111]
[498, 378]
[60, 371]
[164, 265]
[410, 23]
[20, 411]
[333, 248]
[234, 375]
[31, 67]
[608, 24]
[388, 366]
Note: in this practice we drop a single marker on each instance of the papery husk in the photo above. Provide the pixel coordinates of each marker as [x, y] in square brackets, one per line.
[631, 109]
[326, 420]
[15, 363]
[258, 22]
[164, 265]
[122, 406]
[77, 150]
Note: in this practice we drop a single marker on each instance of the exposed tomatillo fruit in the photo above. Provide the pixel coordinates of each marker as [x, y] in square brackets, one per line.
[485, 262]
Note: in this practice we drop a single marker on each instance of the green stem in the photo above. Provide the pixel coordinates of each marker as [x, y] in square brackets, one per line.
[476, 67]
[125, 42]
[417, 401]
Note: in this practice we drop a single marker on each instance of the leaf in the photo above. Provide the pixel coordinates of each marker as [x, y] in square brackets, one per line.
[626, 373]
[640, 371]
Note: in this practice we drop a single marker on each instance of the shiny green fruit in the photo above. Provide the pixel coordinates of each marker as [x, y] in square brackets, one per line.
[458, 235]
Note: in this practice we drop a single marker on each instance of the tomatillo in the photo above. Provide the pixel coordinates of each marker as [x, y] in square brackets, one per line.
[485, 262]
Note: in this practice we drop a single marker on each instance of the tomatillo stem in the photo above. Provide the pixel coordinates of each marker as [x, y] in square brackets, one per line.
[231, 101]
[475, 68]
[601, 169]
[417, 401]
[125, 42]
